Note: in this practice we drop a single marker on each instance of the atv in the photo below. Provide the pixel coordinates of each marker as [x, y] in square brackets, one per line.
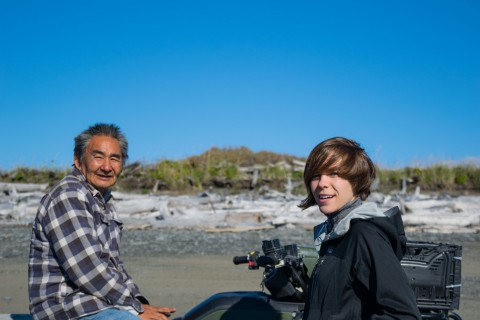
[433, 269]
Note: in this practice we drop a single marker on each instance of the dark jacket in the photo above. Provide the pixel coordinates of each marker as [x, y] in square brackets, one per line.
[358, 274]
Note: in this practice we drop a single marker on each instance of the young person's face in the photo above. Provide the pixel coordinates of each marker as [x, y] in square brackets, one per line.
[331, 192]
[102, 162]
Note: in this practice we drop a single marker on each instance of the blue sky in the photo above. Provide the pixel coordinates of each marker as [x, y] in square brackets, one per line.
[179, 77]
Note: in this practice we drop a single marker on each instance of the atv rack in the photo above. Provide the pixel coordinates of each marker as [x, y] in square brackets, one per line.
[434, 272]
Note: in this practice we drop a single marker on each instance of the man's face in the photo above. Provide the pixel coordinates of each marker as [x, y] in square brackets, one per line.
[102, 162]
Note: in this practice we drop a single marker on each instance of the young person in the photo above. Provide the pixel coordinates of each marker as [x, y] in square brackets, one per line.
[358, 274]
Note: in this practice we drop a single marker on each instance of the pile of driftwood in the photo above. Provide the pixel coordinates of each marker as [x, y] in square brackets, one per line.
[19, 201]
[253, 210]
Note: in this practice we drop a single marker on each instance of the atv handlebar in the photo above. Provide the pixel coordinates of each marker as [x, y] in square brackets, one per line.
[240, 260]
[285, 275]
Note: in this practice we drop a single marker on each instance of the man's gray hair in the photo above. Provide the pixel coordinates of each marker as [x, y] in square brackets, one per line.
[100, 129]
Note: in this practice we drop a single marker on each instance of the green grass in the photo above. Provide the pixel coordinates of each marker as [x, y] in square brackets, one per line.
[435, 178]
[233, 168]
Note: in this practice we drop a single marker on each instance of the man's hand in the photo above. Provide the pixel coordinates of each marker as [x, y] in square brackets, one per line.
[154, 313]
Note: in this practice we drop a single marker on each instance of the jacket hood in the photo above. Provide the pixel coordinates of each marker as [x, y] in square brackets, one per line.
[392, 226]
[390, 222]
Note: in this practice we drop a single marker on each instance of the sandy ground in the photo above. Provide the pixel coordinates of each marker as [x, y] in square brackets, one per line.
[184, 281]
[174, 281]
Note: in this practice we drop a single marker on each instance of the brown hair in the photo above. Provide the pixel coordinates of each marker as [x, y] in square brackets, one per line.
[345, 157]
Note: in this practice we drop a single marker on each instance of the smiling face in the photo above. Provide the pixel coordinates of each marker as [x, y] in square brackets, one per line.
[101, 163]
[331, 192]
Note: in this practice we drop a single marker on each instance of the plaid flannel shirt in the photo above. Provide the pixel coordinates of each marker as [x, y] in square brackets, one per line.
[74, 266]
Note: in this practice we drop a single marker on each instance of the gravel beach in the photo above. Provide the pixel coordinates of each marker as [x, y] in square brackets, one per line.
[180, 268]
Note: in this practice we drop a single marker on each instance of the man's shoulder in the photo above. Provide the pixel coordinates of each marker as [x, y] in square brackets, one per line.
[69, 185]
[70, 193]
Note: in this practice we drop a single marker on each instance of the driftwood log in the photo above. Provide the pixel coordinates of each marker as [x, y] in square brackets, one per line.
[23, 187]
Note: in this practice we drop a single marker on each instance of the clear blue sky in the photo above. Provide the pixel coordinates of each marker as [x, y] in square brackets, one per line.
[179, 77]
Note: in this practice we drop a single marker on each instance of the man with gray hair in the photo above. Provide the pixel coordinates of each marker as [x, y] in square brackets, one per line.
[74, 270]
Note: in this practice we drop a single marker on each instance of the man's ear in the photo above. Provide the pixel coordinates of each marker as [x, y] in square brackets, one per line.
[77, 163]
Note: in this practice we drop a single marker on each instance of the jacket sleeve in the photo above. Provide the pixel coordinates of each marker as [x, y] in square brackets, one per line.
[378, 270]
[132, 286]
